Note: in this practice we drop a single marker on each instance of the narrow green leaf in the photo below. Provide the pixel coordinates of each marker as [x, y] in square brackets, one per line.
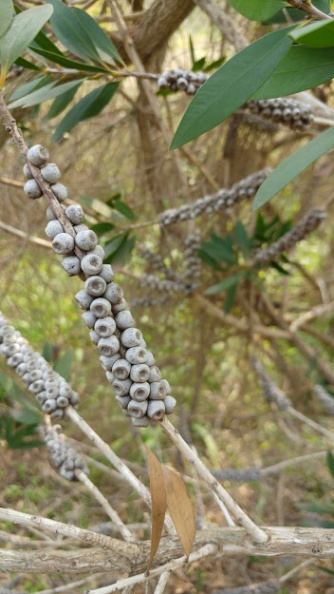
[214, 65]
[102, 228]
[71, 32]
[198, 65]
[64, 364]
[288, 169]
[192, 50]
[89, 106]
[61, 102]
[232, 85]
[330, 463]
[58, 58]
[257, 10]
[300, 69]
[241, 238]
[318, 34]
[26, 64]
[125, 210]
[230, 297]
[7, 13]
[227, 283]
[49, 91]
[24, 27]
[98, 37]
[111, 201]
[38, 82]
[113, 246]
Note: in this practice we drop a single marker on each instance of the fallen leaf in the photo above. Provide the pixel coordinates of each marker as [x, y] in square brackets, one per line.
[180, 508]
[158, 496]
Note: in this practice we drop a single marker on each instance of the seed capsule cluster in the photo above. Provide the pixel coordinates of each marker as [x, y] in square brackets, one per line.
[154, 283]
[286, 111]
[325, 399]
[51, 391]
[130, 367]
[242, 475]
[271, 392]
[150, 301]
[182, 80]
[310, 222]
[222, 200]
[65, 458]
[192, 263]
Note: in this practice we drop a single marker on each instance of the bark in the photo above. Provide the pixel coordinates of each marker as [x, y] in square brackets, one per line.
[297, 542]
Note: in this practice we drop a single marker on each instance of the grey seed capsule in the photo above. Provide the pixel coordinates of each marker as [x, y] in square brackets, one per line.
[191, 89]
[41, 397]
[15, 360]
[92, 265]
[37, 155]
[94, 337]
[53, 228]
[65, 390]
[83, 299]
[21, 369]
[50, 215]
[137, 409]
[113, 292]
[121, 306]
[86, 240]
[169, 403]
[124, 320]
[162, 83]
[167, 386]
[142, 422]
[150, 360]
[100, 307]
[62, 401]
[74, 398]
[108, 346]
[140, 391]
[50, 173]
[67, 474]
[26, 378]
[81, 227]
[136, 355]
[105, 327]
[27, 172]
[60, 191]
[156, 410]
[95, 285]
[182, 83]
[49, 406]
[108, 362]
[123, 401]
[99, 251]
[32, 189]
[51, 383]
[35, 375]
[110, 376]
[57, 414]
[140, 372]
[71, 265]
[122, 387]
[89, 319]
[131, 337]
[75, 214]
[107, 273]
[52, 392]
[155, 374]
[121, 369]
[158, 391]
[63, 243]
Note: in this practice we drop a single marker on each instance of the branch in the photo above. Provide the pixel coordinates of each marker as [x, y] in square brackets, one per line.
[310, 10]
[224, 23]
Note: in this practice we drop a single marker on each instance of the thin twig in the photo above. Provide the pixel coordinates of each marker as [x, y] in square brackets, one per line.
[26, 236]
[162, 582]
[298, 415]
[311, 10]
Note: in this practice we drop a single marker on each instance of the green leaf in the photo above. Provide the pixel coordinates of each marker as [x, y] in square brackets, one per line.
[288, 169]
[318, 34]
[192, 50]
[89, 106]
[330, 463]
[120, 248]
[113, 246]
[102, 228]
[198, 65]
[300, 69]
[37, 83]
[24, 27]
[98, 37]
[7, 13]
[227, 283]
[209, 260]
[257, 10]
[214, 65]
[125, 210]
[232, 85]
[288, 15]
[64, 364]
[26, 64]
[241, 238]
[61, 102]
[47, 352]
[47, 92]
[230, 297]
[220, 249]
[97, 205]
[59, 58]
[70, 31]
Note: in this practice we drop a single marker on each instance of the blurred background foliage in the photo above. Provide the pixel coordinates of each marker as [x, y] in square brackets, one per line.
[117, 165]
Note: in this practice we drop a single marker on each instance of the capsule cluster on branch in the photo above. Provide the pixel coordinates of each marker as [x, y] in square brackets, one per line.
[212, 203]
[290, 112]
[192, 263]
[182, 80]
[271, 392]
[242, 475]
[150, 301]
[130, 367]
[325, 399]
[156, 262]
[310, 222]
[51, 390]
[65, 458]
[269, 587]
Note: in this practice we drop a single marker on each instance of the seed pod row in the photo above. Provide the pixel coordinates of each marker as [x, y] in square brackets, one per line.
[182, 80]
[290, 112]
[51, 391]
[122, 349]
[212, 203]
[66, 458]
[271, 392]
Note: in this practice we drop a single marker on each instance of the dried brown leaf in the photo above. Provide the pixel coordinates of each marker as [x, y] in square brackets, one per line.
[180, 508]
[159, 503]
